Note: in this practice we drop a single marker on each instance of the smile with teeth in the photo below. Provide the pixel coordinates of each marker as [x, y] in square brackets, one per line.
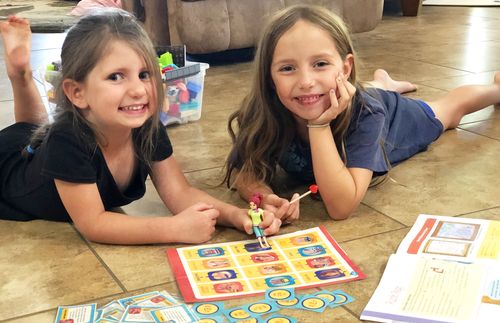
[308, 99]
[138, 107]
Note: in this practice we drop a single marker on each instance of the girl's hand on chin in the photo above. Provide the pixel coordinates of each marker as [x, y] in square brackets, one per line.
[346, 92]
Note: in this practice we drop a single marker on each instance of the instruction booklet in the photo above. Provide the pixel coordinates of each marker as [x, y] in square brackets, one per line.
[446, 269]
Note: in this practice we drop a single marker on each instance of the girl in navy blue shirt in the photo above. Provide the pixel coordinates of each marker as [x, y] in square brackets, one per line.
[307, 114]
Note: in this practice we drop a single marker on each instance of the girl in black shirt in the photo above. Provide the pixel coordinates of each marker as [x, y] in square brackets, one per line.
[105, 139]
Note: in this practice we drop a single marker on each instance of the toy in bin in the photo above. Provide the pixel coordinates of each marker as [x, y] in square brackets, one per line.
[50, 77]
[183, 88]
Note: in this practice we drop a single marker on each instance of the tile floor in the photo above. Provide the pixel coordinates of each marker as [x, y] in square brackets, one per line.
[44, 265]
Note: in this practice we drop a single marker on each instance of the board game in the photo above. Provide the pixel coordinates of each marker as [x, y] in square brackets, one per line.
[302, 259]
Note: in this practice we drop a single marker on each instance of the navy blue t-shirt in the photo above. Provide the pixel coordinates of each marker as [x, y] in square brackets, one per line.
[388, 122]
[27, 188]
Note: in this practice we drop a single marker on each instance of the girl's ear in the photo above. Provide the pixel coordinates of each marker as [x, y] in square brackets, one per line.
[75, 93]
[348, 64]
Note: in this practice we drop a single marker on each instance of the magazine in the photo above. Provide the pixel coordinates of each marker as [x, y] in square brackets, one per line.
[446, 269]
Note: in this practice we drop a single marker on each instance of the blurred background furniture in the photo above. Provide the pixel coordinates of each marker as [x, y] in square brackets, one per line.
[410, 7]
[207, 26]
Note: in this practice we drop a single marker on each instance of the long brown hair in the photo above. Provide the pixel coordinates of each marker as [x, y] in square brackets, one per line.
[83, 47]
[264, 127]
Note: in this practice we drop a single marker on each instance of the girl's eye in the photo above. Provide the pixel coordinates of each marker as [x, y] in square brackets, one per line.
[321, 64]
[115, 77]
[287, 68]
[144, 75]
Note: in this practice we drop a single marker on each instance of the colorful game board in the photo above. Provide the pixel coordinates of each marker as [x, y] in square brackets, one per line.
[302, 259]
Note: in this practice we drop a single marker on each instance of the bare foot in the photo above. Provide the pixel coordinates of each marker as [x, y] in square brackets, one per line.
[496, 78]
[16, 35]
[382, 79]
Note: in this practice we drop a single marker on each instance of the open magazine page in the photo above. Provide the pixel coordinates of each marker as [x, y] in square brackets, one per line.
[490, 301]
[427, 290]
[445, 270]
[451, 238]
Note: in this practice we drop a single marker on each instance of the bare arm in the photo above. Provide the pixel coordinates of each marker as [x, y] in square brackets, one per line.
[197, 212]
[178, 194]
[248, 185]
[85, 207]
[341, 188]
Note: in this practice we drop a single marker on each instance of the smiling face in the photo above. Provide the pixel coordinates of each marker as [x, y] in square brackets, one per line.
[118, 93]
[304, 67]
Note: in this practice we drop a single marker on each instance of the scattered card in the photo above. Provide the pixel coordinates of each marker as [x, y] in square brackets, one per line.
[76, 314]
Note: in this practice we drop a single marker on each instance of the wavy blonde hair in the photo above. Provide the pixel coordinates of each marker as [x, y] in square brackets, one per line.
[262, 128]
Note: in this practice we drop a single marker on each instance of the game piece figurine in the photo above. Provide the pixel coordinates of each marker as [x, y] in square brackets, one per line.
[312, 189]
[256, 214]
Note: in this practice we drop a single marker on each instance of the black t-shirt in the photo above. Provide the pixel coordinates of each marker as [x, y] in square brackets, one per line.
[27, 185]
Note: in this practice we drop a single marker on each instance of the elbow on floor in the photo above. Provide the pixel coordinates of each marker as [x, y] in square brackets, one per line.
[338, 215]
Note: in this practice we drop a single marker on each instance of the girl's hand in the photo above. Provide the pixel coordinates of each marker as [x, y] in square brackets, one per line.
[196, 224]
[281, 208]
[270, 224]
[346, 92]
[293, 210]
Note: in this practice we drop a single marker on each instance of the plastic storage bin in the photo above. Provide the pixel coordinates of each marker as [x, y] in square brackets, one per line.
[49, 80]
[185, 94]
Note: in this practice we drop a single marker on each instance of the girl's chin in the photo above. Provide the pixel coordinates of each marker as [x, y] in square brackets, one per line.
[312, 114]
[303, 120]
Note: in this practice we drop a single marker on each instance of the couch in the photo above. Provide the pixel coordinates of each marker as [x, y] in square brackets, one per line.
[207, 26]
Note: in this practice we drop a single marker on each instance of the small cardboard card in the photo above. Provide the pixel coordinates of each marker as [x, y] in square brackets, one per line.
[173, 314]
[76, 314]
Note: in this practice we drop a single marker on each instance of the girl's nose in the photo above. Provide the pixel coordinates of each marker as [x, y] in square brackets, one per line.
[137, 88]
[306, 80]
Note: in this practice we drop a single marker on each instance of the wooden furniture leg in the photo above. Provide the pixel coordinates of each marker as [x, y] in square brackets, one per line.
[154, 15]
[410, 7]
[156, 21]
